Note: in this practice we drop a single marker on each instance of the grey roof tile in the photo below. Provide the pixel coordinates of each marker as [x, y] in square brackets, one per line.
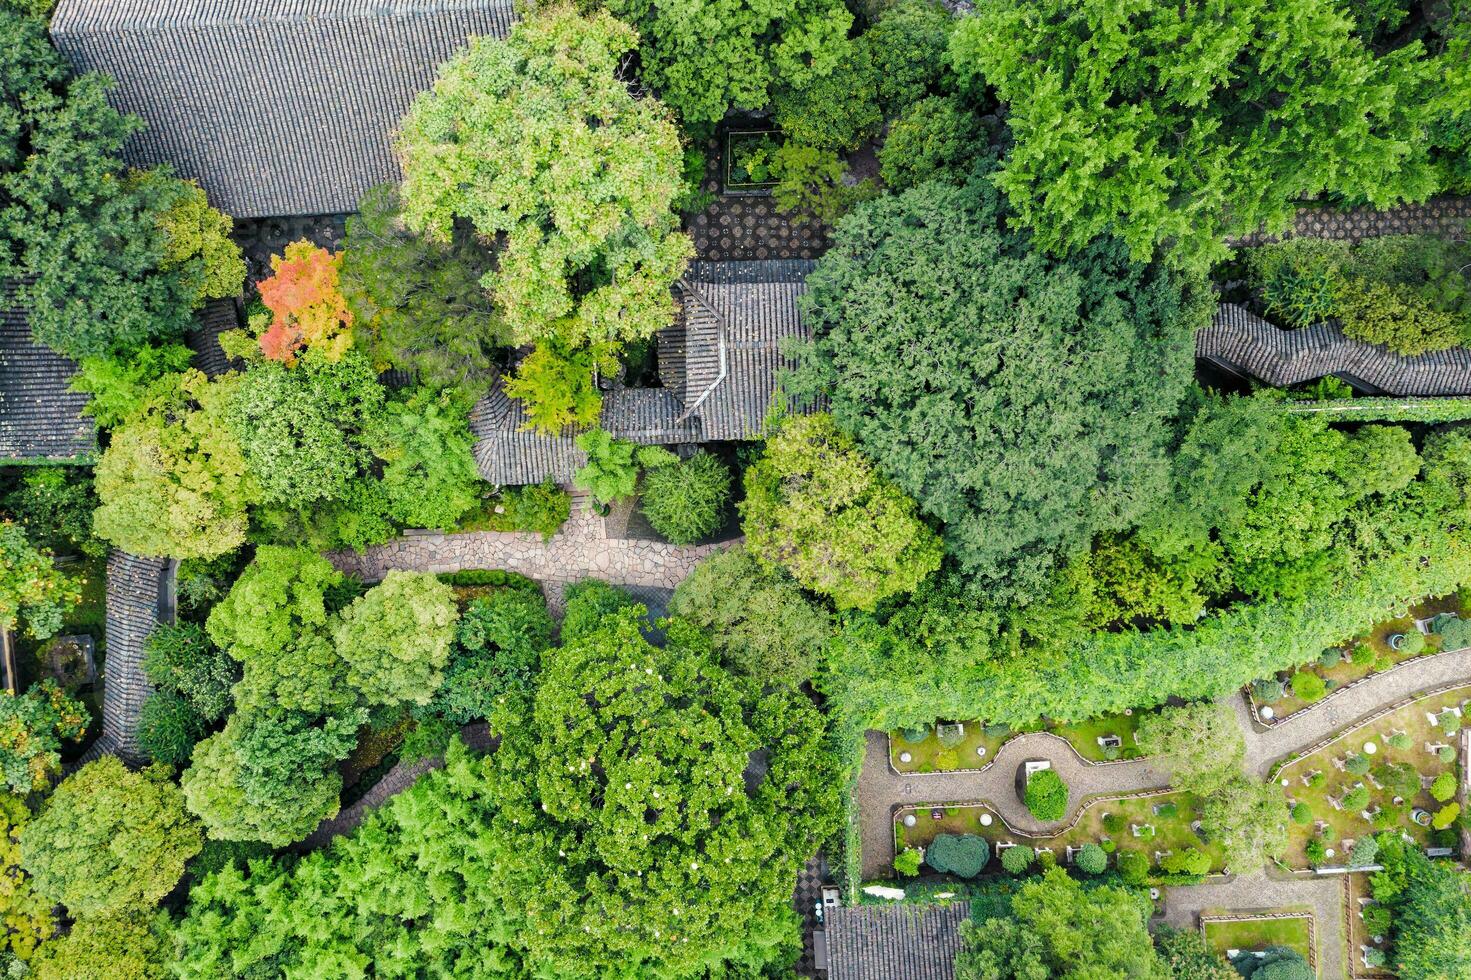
[1239, 339]
[277, 107]
[40, 416]
[898, 942]
[139, 597]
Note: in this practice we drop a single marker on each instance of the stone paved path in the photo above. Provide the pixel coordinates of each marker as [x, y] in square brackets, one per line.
[1263, 892]
[582, 550]
[880, 788]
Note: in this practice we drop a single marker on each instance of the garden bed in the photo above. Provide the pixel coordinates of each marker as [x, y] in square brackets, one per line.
[745, 161]
[1355, 660]
[931, 754]
[1356, 889]
[1102, 819]
[1412, 731]
[1288, 928]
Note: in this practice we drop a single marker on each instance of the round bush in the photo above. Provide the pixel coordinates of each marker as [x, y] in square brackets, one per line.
[1330, 658]
[1400, 740]
[1091, 860]
[915, 735]
[1358, 764]
[1363, 655]
[1413, 643]
[1455, 634]
[907, 862]
[1356, 798]
[1302, 814]
[1281, 963]
[1444, 787]
[168, 728]
[1308, 686]
[963, 855]
[1267, 689]
[1046, 796]
[1134, 867]
[1016, 860]
[1113, 823]
[685, 501]
[1447, 755]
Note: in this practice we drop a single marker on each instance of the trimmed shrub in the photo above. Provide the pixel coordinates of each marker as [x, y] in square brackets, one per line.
[997, 730]
[1330, 658]
[1046, 796]
[471, 577]
[168, 728]
[1302, 814]
[687, 500]
[1447, 755]
[1400, 740]
[1267, 689]
[1133, 867]
[1316, 852]
[1363, 655]
[1113, 823]
[1308, 686]
[950, 735]
[1016, 860]
[1358, 764]
[1413, 643]
[1445, 816]
[906, 862]
[1191, 861]
[1091, 859]
[1355, 799]
[1366, 849]
[1376, 919]
[1444, 787]
[1455, 634]
[963, 855]
[916, 734]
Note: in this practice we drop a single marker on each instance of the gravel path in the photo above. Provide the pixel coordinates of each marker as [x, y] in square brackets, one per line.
[1264, 892]
[581, 550]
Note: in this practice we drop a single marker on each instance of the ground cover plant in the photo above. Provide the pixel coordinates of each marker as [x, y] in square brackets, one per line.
[1256, 934]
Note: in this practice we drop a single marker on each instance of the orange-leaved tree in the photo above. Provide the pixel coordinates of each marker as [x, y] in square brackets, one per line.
[306, 303]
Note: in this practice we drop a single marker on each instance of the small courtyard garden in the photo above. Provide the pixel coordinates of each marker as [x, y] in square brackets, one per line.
[1388, 644]
[1398, 772]
[1228, 934]
[1158, 829]
[950, 746]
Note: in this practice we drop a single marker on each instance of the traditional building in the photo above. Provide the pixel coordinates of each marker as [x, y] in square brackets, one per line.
[915, 942]
[276, 107]
[40, 416]
[718, 367]
[1242, 343]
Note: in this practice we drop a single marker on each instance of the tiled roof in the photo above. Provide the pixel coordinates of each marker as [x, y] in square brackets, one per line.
[40, 416]
[897, 942]
[277, 107]
[139, 597]
[1240, 340]
[217, 316]
[718, 363]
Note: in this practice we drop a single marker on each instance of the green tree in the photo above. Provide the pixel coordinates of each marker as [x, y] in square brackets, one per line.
[173, 480]
[122, 386]
[120, 948]
[109, 841]
[32, 727]
[611, 470]
[1162, 124]
[834, 111]
[498, 644]
[685, 501]
[536, 141]
[588, 603]
[168, 728]
[429, 476]
[87, 240]
[1058, 928]
[417, 303]
[1091, 859]
[395, 639]
[269, 775]
[1249, 819]
[1187, 956]
[31, 588]
[936, 138]
[760, 624]
[708, 58]
[909, 43]
[1046, 796]
[55, 505]
[816, 506]
[1432, 917]
[197, 247]
[1200, 742]
[557, 386]
[27, 917]
[1021, 400]
[630, 778]
[180, 659]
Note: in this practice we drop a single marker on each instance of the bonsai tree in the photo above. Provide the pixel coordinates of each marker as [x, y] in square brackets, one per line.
[1046, 796]
[963, 855]
[1091, 859]
[1308, 686]
[907, 861]
[1444, 787]
[1016, 860]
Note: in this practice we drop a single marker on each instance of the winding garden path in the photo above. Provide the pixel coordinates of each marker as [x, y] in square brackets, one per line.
[881, 789]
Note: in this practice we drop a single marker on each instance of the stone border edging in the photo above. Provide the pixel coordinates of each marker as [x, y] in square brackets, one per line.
[1281, 764]
[1271, 917]
[1256, 717]
[889, 756]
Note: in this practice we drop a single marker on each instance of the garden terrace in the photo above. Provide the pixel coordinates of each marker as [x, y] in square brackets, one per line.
[1405, 736]
[932, 754]
[1153, 824]
[40, 415]
[1254, 933]
[248, 97]
[718, 366]
[1244, 344]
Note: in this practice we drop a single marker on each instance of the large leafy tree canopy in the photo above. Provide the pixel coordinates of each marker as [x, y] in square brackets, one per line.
[538, 143]
[1021, 400]
[652, 809]
[31, 587]
[706, 58]
[1181, 123]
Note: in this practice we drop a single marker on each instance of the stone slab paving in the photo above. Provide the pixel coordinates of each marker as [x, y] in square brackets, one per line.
[581, 550]
[1446, 215]
[736, 228]
[1262, 892]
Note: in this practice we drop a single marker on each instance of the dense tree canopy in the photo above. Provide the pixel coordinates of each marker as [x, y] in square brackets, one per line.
[818, 507]
[1200, 742]
[32, 589]
[536, 139]
[1021, 400]
[1180, 124]
[395, 638]
[110, 841]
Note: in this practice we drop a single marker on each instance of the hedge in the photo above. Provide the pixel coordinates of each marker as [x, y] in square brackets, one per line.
[488, 576]
[1386, 409]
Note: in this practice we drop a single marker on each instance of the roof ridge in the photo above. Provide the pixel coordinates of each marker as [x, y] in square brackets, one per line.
[157, 16]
